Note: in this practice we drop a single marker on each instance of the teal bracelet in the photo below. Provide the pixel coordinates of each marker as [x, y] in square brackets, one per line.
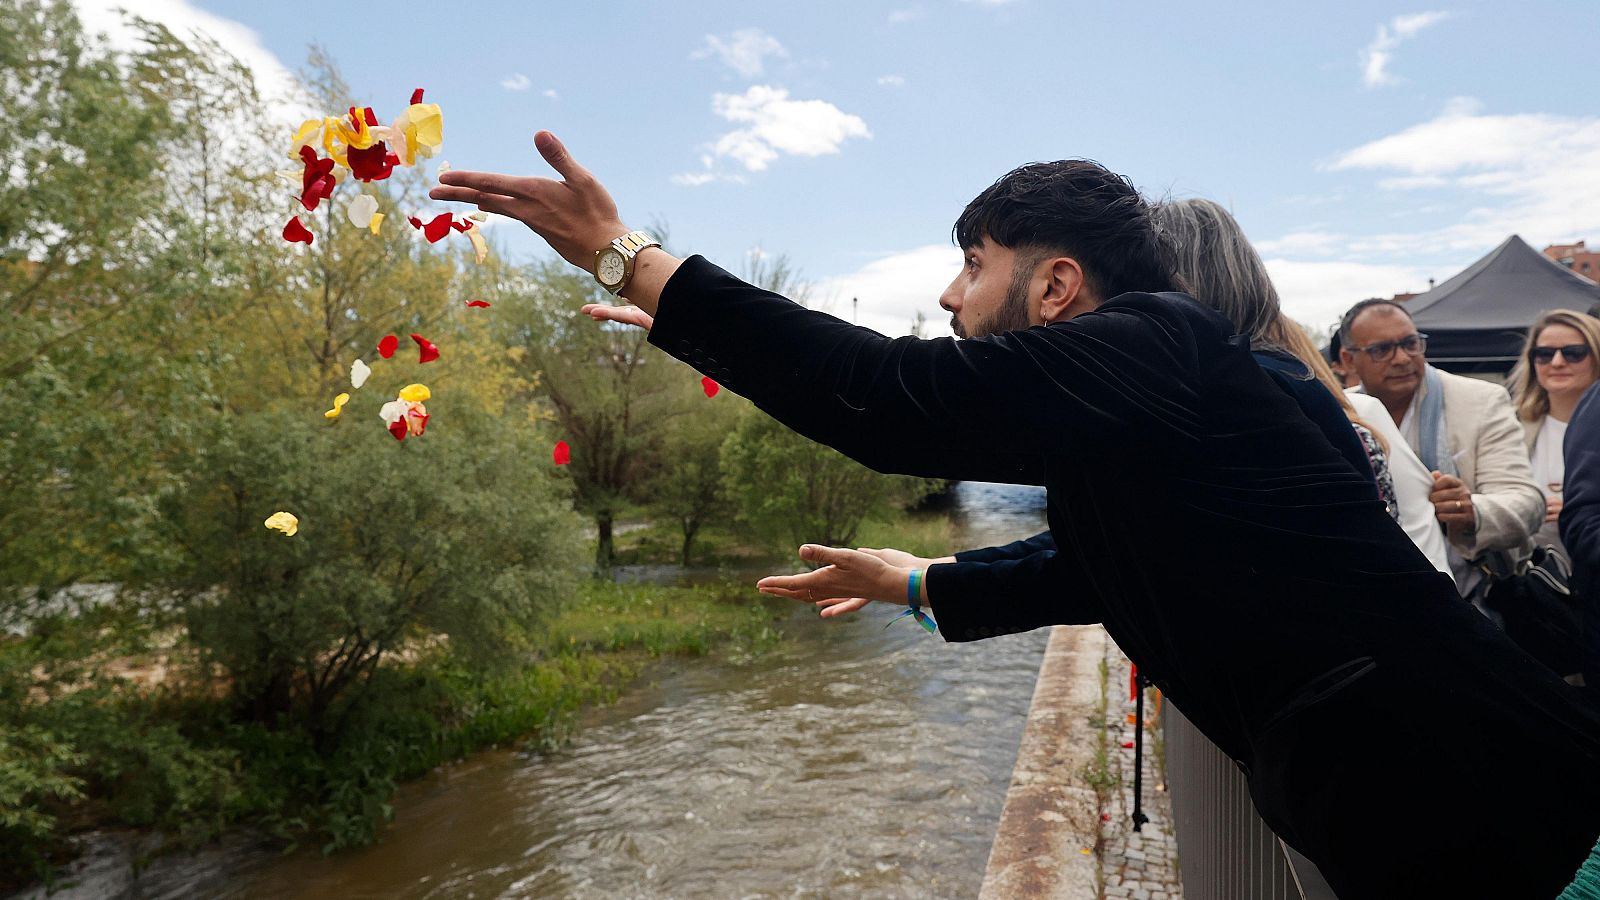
[914, 604]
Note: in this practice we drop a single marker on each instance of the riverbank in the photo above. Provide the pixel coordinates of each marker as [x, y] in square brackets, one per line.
[162, 756]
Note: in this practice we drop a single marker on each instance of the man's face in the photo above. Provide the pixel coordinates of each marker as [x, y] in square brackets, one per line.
[1395, 378]
[989, 296]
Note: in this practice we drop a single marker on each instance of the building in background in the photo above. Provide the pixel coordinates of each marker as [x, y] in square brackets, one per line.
[1576, 257]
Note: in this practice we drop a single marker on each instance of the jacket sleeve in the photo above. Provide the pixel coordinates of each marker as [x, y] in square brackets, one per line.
[1014, 550]
[987, 409]
[1509, 505]
[975, 600]
[1580, 488]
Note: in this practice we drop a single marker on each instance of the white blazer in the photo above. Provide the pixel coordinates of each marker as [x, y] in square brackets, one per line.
[1412, 482]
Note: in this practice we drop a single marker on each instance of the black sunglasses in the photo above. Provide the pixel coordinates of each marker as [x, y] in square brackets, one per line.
[1572, 353]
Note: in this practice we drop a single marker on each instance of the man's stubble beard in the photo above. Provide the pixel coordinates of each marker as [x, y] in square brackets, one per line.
[1013, 312]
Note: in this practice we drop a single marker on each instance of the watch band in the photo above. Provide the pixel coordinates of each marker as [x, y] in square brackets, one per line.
[630, 244]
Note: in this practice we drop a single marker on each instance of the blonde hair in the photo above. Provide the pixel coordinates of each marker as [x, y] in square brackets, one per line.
[1530, 397]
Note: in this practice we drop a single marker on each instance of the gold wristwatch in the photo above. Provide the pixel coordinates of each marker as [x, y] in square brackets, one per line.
[613, 264]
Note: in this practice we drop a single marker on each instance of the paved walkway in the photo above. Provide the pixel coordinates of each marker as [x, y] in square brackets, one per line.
[1136, 865]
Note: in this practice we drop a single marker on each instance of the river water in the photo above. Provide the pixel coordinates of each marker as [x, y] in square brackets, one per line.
[853, 760]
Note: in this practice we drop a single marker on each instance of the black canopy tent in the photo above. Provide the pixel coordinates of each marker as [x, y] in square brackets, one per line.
[1477, 320]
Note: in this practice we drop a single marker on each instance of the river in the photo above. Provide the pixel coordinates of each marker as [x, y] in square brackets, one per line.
[851, 761]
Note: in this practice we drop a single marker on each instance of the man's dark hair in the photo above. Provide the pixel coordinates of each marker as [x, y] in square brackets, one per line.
[1078, 208]
[1355, 312]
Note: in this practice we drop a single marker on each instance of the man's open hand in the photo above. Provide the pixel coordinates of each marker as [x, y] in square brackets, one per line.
[627, 315]
[575, 215]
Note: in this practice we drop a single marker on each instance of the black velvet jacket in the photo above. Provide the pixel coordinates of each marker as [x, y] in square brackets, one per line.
[1231, 552]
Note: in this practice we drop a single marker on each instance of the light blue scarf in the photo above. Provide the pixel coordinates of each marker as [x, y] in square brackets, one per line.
[1435, 449]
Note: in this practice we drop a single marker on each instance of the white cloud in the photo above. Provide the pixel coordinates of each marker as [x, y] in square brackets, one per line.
[551, 93]
[775, 125]
[891, 81]
[902, 16]
[694, 179]
[894, 288]
[1533, 174]
[745, 51]
[1303, 243]
[278, 86]
[1377, 55]
[517, 82]
[1318, 293]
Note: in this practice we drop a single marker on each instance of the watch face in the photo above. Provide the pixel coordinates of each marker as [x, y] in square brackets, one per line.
[609, 270]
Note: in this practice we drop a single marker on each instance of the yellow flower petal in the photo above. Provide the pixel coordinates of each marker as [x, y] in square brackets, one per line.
[480, 247]
[375, 223]
[415, 393]
[284, 522]
[338, 406]
[305, 135]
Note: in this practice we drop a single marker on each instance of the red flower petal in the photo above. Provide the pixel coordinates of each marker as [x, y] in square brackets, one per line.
[436, 229]
[429, 351]
[416, 96]
[562, 454]
[415, 222]
[398, 428]
[478, 304]
[317, 181]
[297, 232]
[709, 386]
[371, 164]
[388, 345]
[372, 117]
[1127, 745]
[461, 225]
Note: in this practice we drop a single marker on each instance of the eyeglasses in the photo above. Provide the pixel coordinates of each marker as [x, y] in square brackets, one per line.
[1380, 352]
[1572, 353]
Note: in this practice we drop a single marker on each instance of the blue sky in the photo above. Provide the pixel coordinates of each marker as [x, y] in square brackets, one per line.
[1365, 147]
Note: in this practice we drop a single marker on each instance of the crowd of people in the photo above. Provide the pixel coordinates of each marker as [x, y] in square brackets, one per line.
[1284, 559]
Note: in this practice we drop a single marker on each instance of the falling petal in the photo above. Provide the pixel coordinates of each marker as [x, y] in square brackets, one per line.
[415, 393]
[479, 217]
[415, 222]
[393, 411]
[416, 96]
[429, 351]
[444, 167]
[416, 419]
[709, 386]
[377, 221]
[284, 522]
[388, 345]
[398, 429]
[461, 225]
[480, 247]
[478, 304]
[338, 407]
[359, 372]
[562, 453]
[1127, 745]
[362, 209]
[296, 232]
[436, 230]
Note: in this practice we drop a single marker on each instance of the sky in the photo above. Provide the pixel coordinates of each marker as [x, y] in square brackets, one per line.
[1365, 147]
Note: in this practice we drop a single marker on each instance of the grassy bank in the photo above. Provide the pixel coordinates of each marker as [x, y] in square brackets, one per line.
[165, 755]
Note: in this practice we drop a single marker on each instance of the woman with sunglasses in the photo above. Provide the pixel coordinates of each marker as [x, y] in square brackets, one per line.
[1558, 363]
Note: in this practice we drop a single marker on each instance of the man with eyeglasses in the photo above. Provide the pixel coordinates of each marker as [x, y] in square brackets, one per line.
[1463, 429]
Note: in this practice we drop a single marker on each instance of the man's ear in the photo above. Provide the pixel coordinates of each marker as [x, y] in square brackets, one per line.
[1065, 293]
[1347, 359]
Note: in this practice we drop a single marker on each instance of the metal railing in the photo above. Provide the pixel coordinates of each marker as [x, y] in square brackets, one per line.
[1225, 851]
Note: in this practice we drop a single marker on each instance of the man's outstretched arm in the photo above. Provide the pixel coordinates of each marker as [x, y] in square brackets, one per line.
[988, 409]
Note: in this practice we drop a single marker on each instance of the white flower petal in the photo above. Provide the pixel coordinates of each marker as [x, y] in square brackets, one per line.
[358, 373]
[393, 411]
[360, 211]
